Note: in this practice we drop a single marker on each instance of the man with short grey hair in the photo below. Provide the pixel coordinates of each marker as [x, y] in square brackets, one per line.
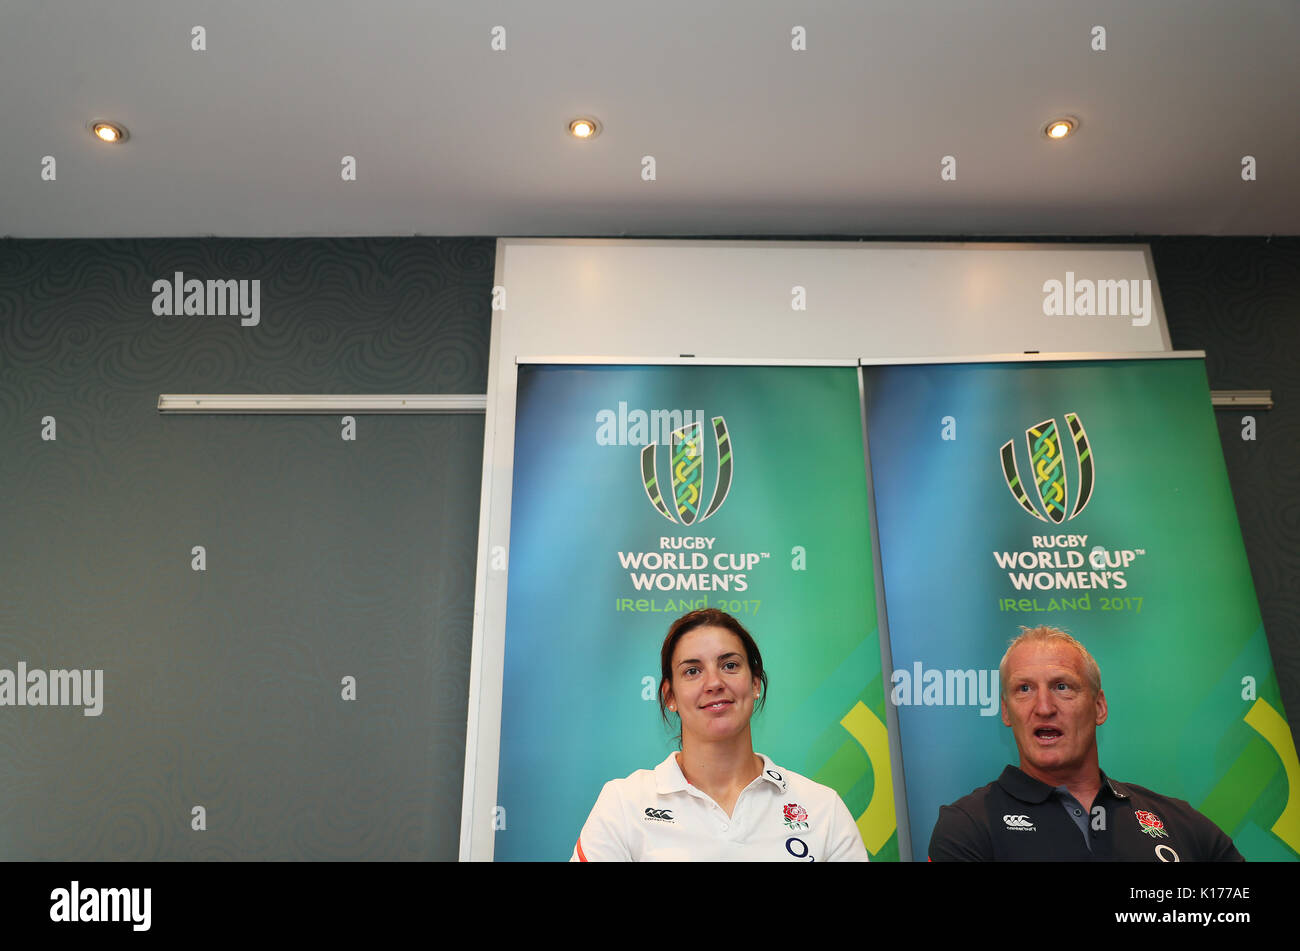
[1059, 805]
[1044, 633]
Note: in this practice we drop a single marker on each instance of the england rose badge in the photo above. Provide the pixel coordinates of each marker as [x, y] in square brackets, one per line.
[1150, 824]
[796, 817]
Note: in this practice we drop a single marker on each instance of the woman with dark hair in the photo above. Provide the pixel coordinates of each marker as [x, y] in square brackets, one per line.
[716, 800]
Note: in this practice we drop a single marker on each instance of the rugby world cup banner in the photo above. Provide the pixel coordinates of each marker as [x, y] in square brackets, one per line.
[644, 492]
[1092, 497]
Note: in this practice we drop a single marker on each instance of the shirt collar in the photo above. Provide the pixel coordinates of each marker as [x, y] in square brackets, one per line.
[1116, 790]
[772, 773]
[1023, 786]
[669, 777]
[1027, 789]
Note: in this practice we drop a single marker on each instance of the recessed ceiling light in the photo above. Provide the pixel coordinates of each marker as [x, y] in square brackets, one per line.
[1060, 128]
[584, 128]
[109, 132]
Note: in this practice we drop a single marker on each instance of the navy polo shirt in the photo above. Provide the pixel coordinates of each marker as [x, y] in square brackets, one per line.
[1018, 818]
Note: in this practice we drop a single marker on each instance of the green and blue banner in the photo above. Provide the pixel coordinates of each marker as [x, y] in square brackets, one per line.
[644, 492]
[1093, 497]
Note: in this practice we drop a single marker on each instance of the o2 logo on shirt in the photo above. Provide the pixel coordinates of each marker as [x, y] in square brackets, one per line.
[798, 848]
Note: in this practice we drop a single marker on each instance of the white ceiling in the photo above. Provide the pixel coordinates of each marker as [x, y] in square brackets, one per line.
[749, 137]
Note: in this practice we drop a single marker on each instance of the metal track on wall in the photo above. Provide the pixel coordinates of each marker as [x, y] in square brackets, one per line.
[321, 403]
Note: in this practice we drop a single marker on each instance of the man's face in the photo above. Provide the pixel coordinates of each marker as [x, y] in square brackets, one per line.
[1051, 710]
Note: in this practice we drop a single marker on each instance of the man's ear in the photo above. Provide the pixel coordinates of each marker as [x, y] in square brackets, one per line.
[1102, 712]
[1002, 705]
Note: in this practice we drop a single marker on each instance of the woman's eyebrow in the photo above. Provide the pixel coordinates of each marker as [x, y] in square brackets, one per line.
[696, 660]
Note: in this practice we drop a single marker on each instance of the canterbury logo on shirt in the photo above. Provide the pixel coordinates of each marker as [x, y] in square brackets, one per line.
[663, 815]
[1020, 823]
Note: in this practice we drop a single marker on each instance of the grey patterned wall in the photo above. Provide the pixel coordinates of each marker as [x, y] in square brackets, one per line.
[325, 558]
[328, 558]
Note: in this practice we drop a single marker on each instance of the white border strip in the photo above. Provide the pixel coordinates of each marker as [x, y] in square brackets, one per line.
[1035, 357]
[684, 361]
[836, 244]
[470, 787]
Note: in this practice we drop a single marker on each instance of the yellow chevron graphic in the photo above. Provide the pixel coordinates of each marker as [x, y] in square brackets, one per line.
[877, 823]
[1269, 724]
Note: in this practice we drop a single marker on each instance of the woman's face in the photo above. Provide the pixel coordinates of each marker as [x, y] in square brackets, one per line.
[712, 686]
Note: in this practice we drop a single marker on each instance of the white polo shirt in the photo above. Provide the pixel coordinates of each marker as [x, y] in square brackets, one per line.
[657, 816]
